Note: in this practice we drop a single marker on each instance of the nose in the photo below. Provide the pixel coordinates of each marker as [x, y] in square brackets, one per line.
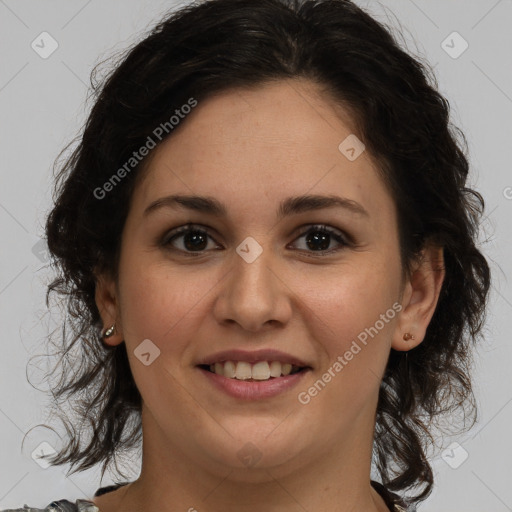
[254, 295]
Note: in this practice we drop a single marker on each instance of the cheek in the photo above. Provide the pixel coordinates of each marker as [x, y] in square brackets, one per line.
[162, 303]
[353, 324]
[349, 300]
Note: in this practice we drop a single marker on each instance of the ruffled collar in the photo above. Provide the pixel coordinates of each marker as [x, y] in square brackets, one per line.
[392, 500]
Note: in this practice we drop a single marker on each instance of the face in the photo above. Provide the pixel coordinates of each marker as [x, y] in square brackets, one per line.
[249, 279]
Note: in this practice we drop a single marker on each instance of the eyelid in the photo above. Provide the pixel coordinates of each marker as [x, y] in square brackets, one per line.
[305, 228]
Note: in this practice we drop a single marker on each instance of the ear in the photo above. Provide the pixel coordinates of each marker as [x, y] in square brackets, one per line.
[108, 307]
[420, 296]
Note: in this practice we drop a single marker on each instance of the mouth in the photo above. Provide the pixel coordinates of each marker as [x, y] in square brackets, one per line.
[253, 372]
[252, 375]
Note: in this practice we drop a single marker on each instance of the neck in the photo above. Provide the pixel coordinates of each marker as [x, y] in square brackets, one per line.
[337, 480]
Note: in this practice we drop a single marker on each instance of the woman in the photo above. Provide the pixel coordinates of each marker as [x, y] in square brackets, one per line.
[268, 252]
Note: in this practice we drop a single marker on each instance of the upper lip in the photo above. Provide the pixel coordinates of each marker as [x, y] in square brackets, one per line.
[252, 357]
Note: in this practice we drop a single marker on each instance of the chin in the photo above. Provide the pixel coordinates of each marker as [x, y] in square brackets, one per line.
[254, 456]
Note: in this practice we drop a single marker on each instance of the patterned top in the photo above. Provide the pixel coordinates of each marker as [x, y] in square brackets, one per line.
[394, 502]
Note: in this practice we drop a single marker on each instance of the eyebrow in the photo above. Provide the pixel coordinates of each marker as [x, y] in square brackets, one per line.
[289, 206]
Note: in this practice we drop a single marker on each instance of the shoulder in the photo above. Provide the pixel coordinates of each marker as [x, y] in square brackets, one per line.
[68, 506]
[394, 502]
[59, 506]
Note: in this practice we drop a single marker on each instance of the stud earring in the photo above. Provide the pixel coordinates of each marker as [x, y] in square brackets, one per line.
[407, 336]
[109, 332]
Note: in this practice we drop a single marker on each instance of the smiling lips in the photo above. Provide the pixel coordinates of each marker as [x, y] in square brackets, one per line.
[259, 365]
[262, 370]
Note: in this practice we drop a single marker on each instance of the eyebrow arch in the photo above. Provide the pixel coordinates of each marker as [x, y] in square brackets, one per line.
[290, 206]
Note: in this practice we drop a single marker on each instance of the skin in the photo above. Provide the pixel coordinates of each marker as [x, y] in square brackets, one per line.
[250, 149]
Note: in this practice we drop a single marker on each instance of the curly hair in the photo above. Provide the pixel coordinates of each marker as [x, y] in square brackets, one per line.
[216, 45]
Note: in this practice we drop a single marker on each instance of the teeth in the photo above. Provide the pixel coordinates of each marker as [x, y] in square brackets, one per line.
[286, 368]
[243, 371]
[275, 369]
[261, 370]
[229, 369]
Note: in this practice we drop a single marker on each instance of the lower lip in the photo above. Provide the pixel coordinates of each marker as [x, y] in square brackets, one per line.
[254, 390]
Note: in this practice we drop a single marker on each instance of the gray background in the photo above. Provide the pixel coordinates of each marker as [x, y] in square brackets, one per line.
[43, 106]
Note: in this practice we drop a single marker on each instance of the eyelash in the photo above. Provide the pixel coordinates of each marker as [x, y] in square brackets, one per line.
[192, 228]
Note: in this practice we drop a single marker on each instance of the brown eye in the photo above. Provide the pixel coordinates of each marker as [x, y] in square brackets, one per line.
[188, 239]
[318, 239]
[193, 240]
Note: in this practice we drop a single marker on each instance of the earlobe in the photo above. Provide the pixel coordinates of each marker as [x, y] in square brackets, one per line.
[420, 298]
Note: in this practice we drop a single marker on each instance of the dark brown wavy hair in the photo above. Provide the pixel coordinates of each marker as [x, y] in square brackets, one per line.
[216, 45]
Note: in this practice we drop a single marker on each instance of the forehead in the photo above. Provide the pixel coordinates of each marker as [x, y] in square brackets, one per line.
[267, 142]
